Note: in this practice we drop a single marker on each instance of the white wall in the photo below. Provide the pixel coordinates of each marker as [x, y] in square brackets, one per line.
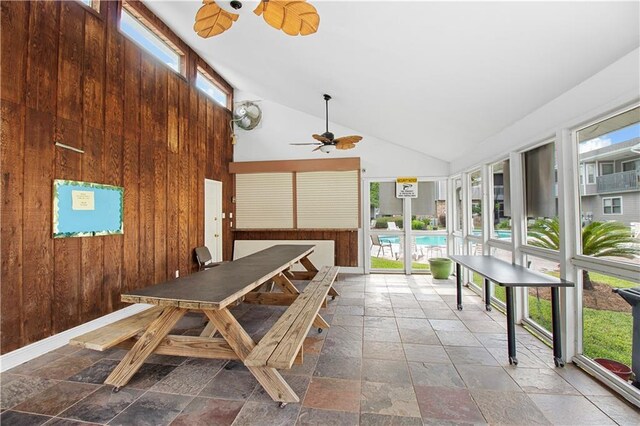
[615, 86]
[282, 125]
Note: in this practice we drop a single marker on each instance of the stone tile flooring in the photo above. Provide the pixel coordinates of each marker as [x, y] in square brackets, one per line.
[397, 353]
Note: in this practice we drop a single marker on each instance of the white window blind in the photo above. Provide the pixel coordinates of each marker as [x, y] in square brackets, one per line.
[327, 199]
[264, 200]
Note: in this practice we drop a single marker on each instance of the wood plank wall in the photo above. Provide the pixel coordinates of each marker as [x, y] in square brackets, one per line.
[346, 241]
[68, 74]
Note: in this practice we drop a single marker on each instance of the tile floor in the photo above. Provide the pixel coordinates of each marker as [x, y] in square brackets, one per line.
[397, 353]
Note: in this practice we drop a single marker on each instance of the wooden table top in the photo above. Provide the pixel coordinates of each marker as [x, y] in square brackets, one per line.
[222, 285]
[508, 274]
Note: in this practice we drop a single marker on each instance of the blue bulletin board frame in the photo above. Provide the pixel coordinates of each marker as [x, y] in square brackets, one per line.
[103, 215]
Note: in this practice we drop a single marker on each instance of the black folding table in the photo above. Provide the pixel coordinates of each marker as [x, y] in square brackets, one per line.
[508, 275]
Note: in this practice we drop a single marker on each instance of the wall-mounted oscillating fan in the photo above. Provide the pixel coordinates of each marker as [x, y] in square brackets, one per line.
[247, 115]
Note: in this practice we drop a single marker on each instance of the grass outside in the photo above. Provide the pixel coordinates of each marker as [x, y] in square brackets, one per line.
[382, 263]
[606, 334]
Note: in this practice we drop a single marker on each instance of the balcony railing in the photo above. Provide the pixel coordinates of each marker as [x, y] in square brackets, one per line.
[624, 181]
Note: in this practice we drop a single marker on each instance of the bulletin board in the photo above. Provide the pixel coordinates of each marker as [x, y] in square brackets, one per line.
[85, 209]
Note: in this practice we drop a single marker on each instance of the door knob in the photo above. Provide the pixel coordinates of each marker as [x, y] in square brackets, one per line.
[216, 235]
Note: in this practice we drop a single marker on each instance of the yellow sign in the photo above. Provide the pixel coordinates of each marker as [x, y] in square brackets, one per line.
[407, 180]
[406, 187]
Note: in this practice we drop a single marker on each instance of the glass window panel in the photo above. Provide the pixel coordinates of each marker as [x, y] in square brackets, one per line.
[148, 40]
[498, 291]
[607, 322]
[501, 223]
[539, 299]
[541, 197]
[207, 86]
[428, 223]
[387, 252]
[614, 144]
[475, 179]
[385, 209]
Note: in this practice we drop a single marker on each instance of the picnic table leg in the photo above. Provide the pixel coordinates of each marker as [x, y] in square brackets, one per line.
[286, 285]
[209, 330]
[459, 285]
[153, 335]
[487, 294]
[511, 327]
[310, 267]
[557, 333]
[242, 344]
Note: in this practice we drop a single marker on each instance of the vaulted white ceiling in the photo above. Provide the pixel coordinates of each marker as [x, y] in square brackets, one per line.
[437, 77]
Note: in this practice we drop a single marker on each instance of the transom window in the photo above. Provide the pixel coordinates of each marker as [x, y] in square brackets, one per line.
[150, 40]
[612, 205]
[208, 86]
[94, 4]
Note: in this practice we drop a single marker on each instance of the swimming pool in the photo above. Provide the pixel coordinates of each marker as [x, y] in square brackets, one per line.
[422, 240]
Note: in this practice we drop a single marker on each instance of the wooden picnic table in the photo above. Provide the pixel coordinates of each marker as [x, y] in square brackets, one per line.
[212, 292]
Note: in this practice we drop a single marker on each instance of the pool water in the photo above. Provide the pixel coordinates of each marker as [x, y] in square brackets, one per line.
[422, 240]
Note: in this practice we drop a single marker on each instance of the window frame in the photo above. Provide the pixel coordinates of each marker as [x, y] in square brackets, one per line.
[606, 163]
[612, 206]
[92, 5]
[217, 80]
[622, 163]
[146, 18]
[201, 72]
[595, 171]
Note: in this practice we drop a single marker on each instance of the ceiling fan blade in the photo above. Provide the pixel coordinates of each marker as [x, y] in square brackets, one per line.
[212, 20]
[349, 139]
[307, 143]
[321, 138]
[316, 149]
[345, 145]
[292, 17]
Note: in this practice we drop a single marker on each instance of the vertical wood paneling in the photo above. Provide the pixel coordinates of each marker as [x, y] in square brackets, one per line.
[160, 174]
[73, 77]
[147, 134]
[42, 61]
[37, 250]
[12, 121]
[14, 21]
[67, 269]
[131, 165]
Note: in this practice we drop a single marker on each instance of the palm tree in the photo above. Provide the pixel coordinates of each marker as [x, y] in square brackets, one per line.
[599, 239]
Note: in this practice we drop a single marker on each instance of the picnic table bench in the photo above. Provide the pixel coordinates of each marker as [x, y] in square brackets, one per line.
[213, 292]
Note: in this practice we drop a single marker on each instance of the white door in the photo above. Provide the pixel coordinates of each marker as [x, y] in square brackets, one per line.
[213, 218]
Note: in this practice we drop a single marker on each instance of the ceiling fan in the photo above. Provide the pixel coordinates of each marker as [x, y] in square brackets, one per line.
[293, 17]
[326, 142]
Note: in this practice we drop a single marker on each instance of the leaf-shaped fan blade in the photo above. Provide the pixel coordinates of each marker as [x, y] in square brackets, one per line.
[306, 143]
[212, 20]
[293, 17]
[349, 139]
[345, 145]
[321, 138]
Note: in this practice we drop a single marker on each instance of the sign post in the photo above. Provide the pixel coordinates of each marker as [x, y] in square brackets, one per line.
[407, 187]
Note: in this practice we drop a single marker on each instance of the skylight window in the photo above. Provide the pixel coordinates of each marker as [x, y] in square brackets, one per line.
[204, 83]
[149, 40]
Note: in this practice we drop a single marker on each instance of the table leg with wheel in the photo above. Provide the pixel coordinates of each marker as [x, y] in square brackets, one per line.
[511, 326]
[487, 294]
[557, 333]
[459, 285]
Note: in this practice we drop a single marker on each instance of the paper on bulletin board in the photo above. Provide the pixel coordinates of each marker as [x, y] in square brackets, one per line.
[83, 200]
[407, 187]
[86, 209]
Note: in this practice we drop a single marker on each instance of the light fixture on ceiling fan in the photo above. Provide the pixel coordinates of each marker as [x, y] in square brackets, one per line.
[326, 141]
[293, 17]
